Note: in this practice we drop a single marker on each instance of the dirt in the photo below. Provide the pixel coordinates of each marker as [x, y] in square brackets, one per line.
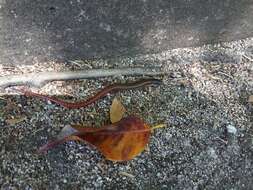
[207, 142]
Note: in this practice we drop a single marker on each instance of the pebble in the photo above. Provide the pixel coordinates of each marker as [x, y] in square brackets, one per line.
[231, 129]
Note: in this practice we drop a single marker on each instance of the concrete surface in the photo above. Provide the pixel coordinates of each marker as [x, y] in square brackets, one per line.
[32, 31]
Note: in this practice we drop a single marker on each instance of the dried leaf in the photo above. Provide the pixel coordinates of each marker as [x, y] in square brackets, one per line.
[126, 174]
[250, 100]
[15, 121]
[120, 141]
[117, 111]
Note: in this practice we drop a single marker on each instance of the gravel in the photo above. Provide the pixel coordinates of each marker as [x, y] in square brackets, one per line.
[207, 142]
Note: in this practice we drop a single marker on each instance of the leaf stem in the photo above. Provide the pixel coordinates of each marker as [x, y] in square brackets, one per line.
[158, 126]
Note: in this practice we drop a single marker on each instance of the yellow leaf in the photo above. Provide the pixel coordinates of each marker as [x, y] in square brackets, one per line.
[117, 111]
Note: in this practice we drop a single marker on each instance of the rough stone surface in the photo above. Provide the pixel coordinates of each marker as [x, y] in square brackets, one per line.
[206, 89]
[33, 30]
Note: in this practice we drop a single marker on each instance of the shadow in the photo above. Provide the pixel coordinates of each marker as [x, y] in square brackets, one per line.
[62, 30]
[195, 147]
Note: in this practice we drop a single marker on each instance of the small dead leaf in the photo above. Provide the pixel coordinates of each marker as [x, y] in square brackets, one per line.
[126, 174]
[119, 141]
[250, 100]
[15, 121]
[117, 111]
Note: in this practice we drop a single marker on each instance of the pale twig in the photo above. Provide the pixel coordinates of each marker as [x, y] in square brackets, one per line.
[39, 79]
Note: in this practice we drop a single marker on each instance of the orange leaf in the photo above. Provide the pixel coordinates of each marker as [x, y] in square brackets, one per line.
[120, 141]
[117, 110]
